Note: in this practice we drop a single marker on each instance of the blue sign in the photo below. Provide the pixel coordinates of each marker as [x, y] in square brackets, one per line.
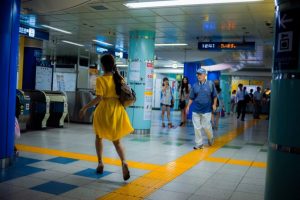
[218, 46]
[33, 32]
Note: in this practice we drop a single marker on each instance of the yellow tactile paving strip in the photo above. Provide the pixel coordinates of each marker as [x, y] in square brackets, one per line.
[150, 182]
[237, 162]
[86, 157]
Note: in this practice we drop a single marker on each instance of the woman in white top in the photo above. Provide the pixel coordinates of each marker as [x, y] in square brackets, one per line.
[184, 94]
[167, 102]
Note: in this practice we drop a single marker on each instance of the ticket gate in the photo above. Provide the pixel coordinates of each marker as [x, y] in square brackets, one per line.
[58, 108]
[39, 109]
[77, 100]
[22, 109]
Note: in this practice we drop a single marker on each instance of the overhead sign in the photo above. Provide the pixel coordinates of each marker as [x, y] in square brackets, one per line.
[33, 32]
[218, 46]
[101, 49]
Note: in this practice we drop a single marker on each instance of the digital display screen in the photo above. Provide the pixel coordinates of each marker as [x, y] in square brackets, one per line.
[218, 46]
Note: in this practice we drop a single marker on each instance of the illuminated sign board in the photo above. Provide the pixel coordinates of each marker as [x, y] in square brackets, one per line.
[27, 31]
[218, 46]
[101, 50]
[33, 32]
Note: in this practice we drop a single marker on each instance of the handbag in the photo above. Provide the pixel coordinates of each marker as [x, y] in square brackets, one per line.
[172, 103]
[127, 96]
[181, 104]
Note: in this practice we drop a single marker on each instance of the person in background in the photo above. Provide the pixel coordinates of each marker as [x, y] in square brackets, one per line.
[220, 106]
[251, 95]
[184, 94]
[233, 102]
[241, 103]
[267, 101]
[166, 102]
[204, 96]
[110, 119]
[257, 98]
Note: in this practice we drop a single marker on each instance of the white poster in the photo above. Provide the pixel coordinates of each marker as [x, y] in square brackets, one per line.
[135, 66]
[147, 105]
[134, 76]
[149, 77]
[43, 80]
[64, 81]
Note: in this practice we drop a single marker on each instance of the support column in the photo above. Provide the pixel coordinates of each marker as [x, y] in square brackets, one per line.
[9, 35]
[140, 78]
[226, 91]
[283, 171]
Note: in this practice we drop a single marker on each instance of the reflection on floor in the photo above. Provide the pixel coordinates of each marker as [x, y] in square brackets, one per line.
[60, 164]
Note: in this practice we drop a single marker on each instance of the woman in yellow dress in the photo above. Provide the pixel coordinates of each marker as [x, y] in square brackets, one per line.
[110, 120]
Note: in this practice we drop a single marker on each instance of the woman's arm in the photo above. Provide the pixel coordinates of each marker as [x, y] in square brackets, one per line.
[88, 105]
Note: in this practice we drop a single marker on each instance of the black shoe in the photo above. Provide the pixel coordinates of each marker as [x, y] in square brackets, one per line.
[181, 123]
[242, 120]
[238, 117]
[198, 147]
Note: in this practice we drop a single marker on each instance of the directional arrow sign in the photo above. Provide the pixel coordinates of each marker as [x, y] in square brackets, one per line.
[283, 21]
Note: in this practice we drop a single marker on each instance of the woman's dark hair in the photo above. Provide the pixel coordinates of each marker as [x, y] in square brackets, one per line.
[108, 63]
[185, 85]
[164, 79]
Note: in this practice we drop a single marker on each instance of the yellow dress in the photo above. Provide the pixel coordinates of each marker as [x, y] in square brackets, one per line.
[110, 117]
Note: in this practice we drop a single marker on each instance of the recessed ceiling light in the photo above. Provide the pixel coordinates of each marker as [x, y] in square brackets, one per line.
[171, 44]
[101, 42]
[152, 4]
[56, 29]
[73, 43]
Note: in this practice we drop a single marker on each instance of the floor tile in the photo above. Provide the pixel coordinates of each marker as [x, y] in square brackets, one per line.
[180, 187]
[84, 194]
[55, 188]
[246, 196]
[167, 195]
[62, 160]
[91, 173]
[76, 180]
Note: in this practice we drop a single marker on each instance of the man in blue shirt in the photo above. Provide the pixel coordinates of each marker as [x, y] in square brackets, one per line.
[204, 96]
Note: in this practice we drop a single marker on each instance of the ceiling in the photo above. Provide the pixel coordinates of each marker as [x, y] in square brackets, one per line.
[111, 21]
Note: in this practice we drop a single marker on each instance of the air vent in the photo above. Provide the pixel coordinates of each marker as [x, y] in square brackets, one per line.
[98, 7]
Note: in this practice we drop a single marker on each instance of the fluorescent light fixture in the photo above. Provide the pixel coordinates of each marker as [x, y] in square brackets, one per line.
[104, 43]
[122, 65]
[56, 29]
[153, 4]
[171, 44]
[69, 42]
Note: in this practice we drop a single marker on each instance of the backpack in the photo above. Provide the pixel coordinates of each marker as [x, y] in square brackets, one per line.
[127, 96]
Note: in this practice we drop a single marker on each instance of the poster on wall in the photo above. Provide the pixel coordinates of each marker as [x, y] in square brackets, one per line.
[43, 79]
[64, 82]
[134, 76]
[147, 105]
[135, 73]
[135, 66]
[149, 77]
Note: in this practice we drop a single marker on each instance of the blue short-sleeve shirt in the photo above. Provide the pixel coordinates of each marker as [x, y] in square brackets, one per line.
[202, 95]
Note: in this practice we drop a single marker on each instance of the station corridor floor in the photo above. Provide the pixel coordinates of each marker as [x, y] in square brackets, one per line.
[59, 164]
